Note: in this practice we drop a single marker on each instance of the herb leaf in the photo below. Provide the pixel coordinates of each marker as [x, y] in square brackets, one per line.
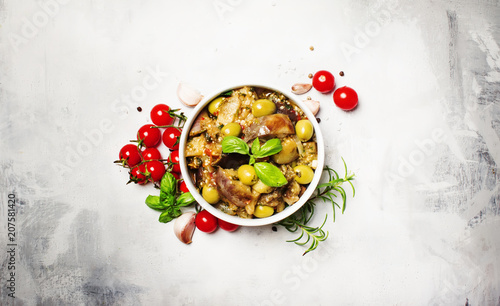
[184, 199]
[226, 94]
[233, 144]
[324, 192]
[153, 202]
[256, 146]
[271, 147]
[165, 217]
[170, 214]
[168, 183]
[166, 199]
[169, 202]
[270, 174]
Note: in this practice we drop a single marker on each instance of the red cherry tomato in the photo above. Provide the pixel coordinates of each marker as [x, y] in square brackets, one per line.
[137, 175]
[183, 187]
[155, 170]
[174, 159]
[160, 115]
[130, 156]
[228, 226]
[205, 222]
[148, 137]
[151, 154]
[171, 138]
[345, 98]
[176, 175]
[323, 81]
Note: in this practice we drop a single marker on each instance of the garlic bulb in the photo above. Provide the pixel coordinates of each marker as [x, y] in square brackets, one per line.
[301, 88]
[184, 227]
[312, 105]
[188, 95]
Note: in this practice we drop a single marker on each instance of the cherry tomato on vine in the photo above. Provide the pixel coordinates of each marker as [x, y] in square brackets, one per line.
[129, 155]
[205, 222]
[323, 81]
[183, 187]
[228, 226]
[345, 98]
[155, 170]
[137, 175]
[160, 115]
[148, 137]
[176, 175]
[174, 159]
[171, 137]
[151, 154]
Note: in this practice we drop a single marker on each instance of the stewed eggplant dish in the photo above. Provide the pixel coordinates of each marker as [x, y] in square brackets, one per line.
[251, 152]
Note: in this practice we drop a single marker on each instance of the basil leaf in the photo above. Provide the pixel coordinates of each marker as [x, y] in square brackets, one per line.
[226, 94]
[184, 199]
[270, 174]
[169, 215]
[168, 183]
[154, 202]
[271, 147]
[256, 146]
[166, 199]
[177, 212]
[165, 217]
[233, 144]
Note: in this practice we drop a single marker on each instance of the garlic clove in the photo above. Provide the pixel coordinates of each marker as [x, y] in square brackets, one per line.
[184, 227]
[312, 105]
[188, 95]
[301, 88]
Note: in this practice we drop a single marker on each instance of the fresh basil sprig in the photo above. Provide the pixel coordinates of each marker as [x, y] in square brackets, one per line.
[268, 173]
[169, 202]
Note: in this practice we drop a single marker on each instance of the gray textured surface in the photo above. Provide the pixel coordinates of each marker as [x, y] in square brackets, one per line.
[424, 143]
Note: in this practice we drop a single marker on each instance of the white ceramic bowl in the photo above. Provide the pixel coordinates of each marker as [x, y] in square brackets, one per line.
[289, 210]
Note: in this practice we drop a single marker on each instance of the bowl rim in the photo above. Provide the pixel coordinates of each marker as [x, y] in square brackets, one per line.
[289, 210]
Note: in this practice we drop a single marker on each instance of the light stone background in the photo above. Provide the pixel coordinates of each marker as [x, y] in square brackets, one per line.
[423, 228]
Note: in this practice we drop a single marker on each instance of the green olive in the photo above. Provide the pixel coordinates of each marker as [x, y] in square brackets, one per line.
[210, 194]
[214, 105]
[263, 107]
[288, 152]
[304, 174]
[263, 211]
[247, 175]
[304, 129]
[260, 187]
[231, 129]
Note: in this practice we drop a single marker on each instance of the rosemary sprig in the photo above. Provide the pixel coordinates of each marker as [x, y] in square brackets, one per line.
[326, 192]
